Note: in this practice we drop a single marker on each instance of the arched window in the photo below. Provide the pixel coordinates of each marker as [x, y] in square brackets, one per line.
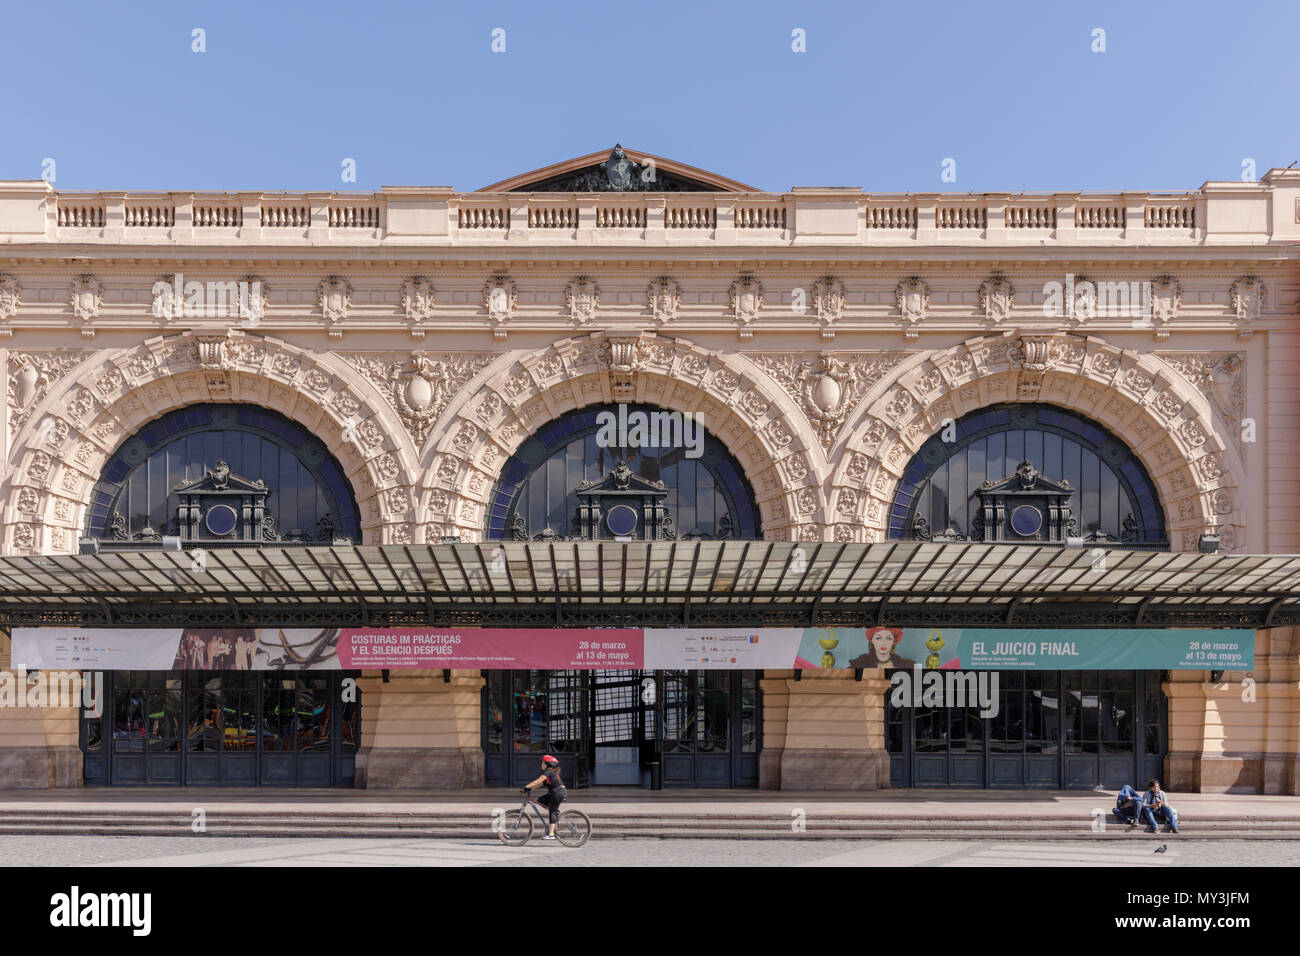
[307, 497]
[536, 496]
[962, 482]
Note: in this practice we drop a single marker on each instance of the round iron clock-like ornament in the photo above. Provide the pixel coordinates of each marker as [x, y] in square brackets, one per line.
[1026, 520]
[221, 520]
[621, 520]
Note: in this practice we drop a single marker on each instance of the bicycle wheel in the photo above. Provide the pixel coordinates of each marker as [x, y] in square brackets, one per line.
[573, 829]
[516, 828]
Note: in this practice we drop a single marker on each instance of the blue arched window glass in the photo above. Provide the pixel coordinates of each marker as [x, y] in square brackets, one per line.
[708, 496]
[310, 497]
[1113, 500]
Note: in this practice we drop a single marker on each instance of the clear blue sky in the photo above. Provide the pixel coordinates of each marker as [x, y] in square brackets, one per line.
[412, 91]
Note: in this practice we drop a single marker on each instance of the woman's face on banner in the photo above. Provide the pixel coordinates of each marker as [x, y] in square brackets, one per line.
[883, 642]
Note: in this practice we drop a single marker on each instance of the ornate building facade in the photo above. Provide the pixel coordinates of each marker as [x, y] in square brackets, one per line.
[414, 366]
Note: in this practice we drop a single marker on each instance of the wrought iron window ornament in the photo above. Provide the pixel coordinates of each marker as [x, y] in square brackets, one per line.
[139, 493]
[539, 486]
[623, 505]
[1026, 506]
[1073, 478]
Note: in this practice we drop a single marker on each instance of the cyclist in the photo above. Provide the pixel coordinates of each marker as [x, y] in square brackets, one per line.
[555, 792]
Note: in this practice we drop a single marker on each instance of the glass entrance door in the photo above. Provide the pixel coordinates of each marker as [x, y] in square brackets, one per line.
[702, 727]
[710, 728]
[224, 728]
[1058, 730]
[528, 714]
[146, 728]
[623, 727]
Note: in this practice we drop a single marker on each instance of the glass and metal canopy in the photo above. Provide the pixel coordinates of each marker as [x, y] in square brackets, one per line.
[653, 584]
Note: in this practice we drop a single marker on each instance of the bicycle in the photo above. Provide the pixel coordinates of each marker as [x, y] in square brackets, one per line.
[573, 828]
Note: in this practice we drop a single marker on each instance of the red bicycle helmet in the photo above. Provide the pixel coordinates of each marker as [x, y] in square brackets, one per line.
[549, 759]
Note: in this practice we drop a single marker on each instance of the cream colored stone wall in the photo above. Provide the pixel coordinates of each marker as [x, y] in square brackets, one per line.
[823, 335]
[419, 731]
[38, 745]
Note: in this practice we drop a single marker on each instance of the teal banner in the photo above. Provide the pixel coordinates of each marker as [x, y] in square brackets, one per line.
[959, 648]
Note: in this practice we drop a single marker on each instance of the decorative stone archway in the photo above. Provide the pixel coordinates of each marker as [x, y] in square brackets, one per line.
[1170, 426]
[759, 424]
[72, 425]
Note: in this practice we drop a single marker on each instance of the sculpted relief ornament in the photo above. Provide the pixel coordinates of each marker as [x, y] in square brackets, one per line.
[1166, 300]
[582, 299]
[254, 301]
[417, 300]
[997, 298]
[87, 300]
[626, 356]
[829, 300]
[1220, 376]
[829, 387]
[663, 296]
[1247, 295]
[30, 376]
[334, 296]
[419, 385]
[746, 302]
[500, 297]
[11, 296]
[913, 297]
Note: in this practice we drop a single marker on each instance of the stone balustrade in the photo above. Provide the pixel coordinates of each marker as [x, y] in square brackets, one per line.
[1269, 210]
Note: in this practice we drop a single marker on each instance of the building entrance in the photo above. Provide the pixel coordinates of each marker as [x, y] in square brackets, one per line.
[223, 728]
[623, 727]
[1056, 730]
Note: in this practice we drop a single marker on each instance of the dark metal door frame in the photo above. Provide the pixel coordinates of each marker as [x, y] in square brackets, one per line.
[98, 766]
[1144, 764]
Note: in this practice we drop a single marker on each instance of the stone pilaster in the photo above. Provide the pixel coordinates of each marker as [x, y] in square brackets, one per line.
[1242, 734]
[834, 734]
[38, 745]
[420, 732]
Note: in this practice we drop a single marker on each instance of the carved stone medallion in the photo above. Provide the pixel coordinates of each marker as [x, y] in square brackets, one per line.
[997, 298]
[87, 300]
[913, 296]
[829, 300]
[582, 299]
[663, 296]
[500, 298]
[334, 296]
[417, 301]
[746, 302]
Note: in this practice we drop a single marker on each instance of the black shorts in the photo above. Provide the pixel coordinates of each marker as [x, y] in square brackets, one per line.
[552, 803]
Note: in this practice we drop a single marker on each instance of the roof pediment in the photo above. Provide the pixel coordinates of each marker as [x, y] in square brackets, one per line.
[619, 170]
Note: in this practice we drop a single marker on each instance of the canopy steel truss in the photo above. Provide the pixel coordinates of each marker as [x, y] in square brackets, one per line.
[664, 584]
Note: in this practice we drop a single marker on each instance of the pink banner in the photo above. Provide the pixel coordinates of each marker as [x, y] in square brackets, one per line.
[492, 648]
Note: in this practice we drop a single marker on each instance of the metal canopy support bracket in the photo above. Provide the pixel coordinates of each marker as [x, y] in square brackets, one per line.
[1272, 611]
[1142, 609]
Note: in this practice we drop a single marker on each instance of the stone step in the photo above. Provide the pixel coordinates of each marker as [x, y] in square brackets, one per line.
[380, 821]
[1044, 819]
[663, 832]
